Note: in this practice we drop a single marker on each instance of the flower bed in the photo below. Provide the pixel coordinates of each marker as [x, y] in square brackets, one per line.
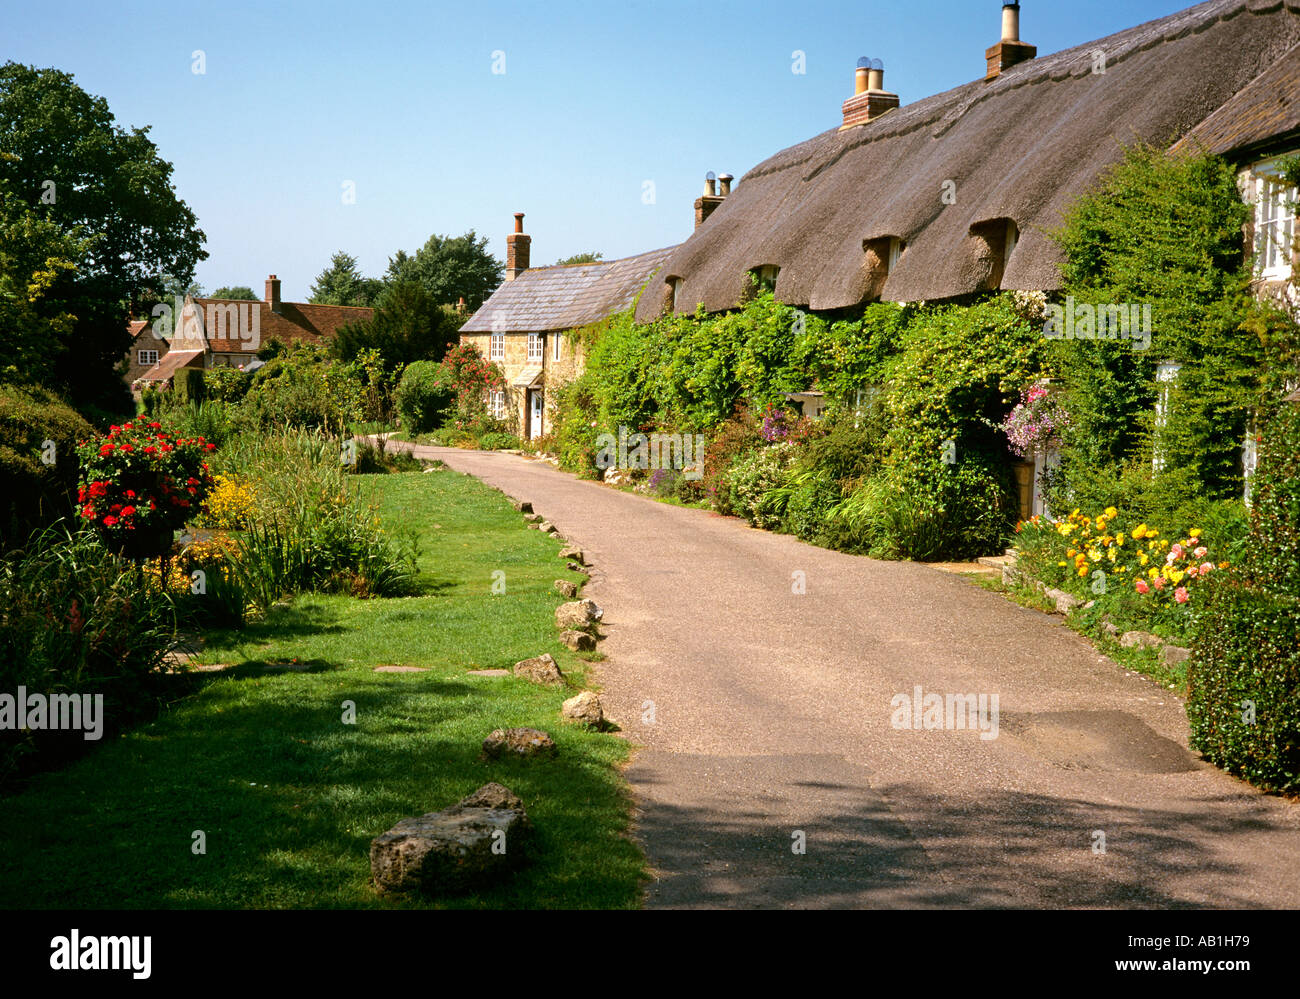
[1140, 577]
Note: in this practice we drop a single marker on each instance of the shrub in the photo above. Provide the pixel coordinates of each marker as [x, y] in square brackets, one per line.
[730, 442]
[78, 619]
[423, 396]
[227, 384]
[574, 426]
[1244, 682]
[498, 440]
[37, 492]
[188, 385]
[752, 477]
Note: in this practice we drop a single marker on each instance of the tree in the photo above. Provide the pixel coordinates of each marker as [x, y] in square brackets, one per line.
[580, 258]
[408, 325]
[341, 283]
[450, 268]
[239, 292]
[69, 161]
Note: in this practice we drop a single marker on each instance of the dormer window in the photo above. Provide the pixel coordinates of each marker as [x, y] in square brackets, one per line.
[994, 240]
[765, 276]
[673, 294]
[881, 256]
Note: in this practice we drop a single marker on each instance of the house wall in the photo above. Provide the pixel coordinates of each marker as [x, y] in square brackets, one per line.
[554, 373]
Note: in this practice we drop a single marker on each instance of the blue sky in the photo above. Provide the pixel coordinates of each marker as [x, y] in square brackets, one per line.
[400, 98]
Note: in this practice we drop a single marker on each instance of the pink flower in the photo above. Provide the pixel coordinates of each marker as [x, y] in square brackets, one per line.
[1159, 582]
[1207, 567]
[1142, 587]
[1201, 552]
[1180, 594]
[1176, 552]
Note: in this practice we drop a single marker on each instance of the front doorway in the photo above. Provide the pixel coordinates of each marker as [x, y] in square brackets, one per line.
[534, 413]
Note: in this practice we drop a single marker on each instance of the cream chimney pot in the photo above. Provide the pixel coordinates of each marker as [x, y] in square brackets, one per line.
[1011, 22]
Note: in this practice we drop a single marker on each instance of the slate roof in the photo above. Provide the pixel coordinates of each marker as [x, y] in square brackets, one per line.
[1262, 113]
[1022, 146]
[542, 299]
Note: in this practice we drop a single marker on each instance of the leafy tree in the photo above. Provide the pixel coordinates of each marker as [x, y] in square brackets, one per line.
[341, 283]
[238, 292]
[450, 268]
[407, 325]
[580, 258]
[68, 160]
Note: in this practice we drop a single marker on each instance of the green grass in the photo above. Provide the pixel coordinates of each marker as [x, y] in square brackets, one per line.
[289, 797]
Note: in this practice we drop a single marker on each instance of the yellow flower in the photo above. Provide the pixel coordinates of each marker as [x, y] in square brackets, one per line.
[1144, 558]
[1062, 564]
[1153, 573]
[1139, 532]
[1119, 540]
[1195, 532]
[1083, 571]
[1111, 512]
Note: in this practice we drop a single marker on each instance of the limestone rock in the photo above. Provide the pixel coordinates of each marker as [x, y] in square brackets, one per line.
[584, 709]
[456, 849]
[546, 527]
[577, 615]
[1065, 602]
[540, 669]
[1140, 639]
[573, 553]
[574, 567]
[578, 641]
[533, 518]
[1171, 655]
[566, 588]
[523, 506]
[518, 743]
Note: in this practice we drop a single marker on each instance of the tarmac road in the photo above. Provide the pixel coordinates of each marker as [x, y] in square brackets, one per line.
[772, 770]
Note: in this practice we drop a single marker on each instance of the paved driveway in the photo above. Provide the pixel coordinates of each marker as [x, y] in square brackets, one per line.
[767, 721]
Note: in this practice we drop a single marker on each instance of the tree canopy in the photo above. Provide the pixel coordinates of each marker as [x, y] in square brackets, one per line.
[590, 257]
[110, 210]
[238, 292]
[342, 283]
[408, 325]
[450, 268]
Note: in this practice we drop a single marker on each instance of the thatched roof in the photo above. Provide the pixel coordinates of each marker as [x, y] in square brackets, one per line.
[1020, 147]
[565, 297]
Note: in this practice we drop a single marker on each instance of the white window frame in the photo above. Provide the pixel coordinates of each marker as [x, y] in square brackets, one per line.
[497, 347]
[1166, 376]
[497, 404]
[1275, 222]
[556, 345]
[536, 347]
[1013, 238]
[143, 357]
[896, 247]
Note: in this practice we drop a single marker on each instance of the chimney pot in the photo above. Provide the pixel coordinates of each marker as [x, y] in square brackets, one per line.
[870, 99]
[1011, 22]
[519, 221]
[724, 182]
[861, 77]
[710, 185]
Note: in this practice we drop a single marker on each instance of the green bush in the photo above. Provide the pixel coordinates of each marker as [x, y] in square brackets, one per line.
[498, 440]
[1247, 644]
[78, 619]
[188, 385]
[423, 397]
[574, 426]
[1244, 684]
[36, 492]
[752, 478]
[227, 384]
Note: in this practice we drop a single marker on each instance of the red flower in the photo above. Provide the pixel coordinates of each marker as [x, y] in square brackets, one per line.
[128, 511]
[110, 521]
[98, 489]
[127, 447]
[107, 449]
[88, 511]
[130, 494]
[155, 426]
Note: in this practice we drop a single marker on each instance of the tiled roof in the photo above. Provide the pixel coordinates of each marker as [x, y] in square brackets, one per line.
[562, 298]
[171, 362]
[294, 323]
[1262, 112]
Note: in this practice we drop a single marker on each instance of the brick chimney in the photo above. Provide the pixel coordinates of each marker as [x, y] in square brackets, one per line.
[1011, 50]
[870, 98]
[273, 293]
[711, 198]
[517, 249]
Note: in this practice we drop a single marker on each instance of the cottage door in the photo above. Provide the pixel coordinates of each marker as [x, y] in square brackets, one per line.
[535, 413]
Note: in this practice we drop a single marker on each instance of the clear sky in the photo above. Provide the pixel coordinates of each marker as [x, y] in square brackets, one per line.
[406, 101]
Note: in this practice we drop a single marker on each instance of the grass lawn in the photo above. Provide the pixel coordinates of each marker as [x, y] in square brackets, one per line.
[289, 796]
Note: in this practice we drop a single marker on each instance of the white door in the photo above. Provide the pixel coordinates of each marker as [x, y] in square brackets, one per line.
[535, 423]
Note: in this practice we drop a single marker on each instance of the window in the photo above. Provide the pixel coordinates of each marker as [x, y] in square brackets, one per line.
[766, 276]
[534, 346]
[497, 347]
[1166, 377]
[497, 404]
[673, 297]
[896, 247]
[1274, 225]
[149, 357]
[555, 345]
